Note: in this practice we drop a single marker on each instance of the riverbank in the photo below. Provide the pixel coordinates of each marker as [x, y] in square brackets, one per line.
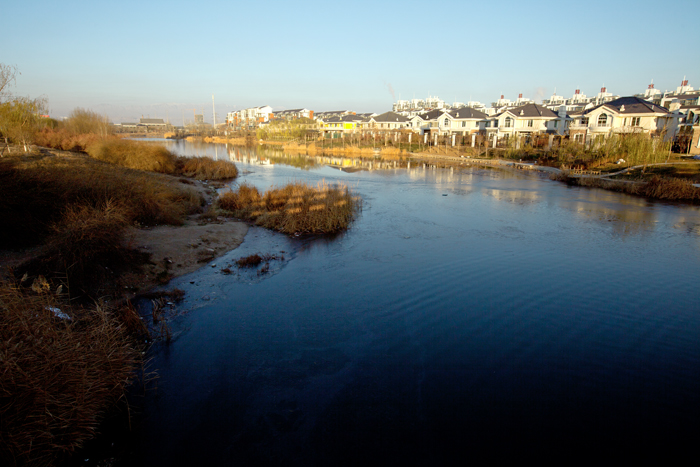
[174, 242]
[82, 238]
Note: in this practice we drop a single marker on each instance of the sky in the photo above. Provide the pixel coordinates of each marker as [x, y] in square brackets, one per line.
[159, 59]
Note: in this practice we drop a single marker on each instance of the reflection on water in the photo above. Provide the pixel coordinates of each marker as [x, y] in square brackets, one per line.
[467, 312]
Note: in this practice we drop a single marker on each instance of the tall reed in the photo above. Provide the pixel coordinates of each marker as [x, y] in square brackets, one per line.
[295, 208]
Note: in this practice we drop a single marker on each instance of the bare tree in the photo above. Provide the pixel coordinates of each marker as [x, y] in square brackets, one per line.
[8, 74]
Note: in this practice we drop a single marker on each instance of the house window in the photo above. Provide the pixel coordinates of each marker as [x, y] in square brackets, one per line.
[488, 125]
[602, 120]
[509, 122]
[635, 121]
[530, 123]
[556, 123]
[447, 122]
[464, 124]
[584, 121]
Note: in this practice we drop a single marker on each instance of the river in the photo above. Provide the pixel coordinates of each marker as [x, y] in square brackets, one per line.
[468, 314]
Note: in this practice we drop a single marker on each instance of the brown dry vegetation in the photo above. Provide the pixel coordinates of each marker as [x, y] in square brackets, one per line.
[673, 189]
[206, 168]
[59, 375]
[137, 155]
[295, 208]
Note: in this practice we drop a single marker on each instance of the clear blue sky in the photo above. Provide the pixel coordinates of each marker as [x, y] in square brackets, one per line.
[155, 58]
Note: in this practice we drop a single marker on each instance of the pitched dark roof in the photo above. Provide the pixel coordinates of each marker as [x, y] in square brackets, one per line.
[632, 105]
[433, 114]
[533, 110]
[391, 117]
[467, 112]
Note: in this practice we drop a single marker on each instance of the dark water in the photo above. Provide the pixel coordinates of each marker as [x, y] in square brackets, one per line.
[515, 317]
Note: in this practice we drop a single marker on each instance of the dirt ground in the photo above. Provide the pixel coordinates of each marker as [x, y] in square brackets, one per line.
[180, 250]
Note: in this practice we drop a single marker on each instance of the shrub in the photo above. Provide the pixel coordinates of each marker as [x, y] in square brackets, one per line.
[59, 376]
[295, 208]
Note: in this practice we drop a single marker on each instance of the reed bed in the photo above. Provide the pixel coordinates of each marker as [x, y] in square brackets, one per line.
[295, 208]
[62, 369]
[138, 155]
[672, 189]
[206, 168]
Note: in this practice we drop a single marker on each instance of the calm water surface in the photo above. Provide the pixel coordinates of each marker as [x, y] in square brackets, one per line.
[514, 316]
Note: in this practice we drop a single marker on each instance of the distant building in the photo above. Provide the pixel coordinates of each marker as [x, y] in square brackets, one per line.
[250, 117]
[293, 114]
[152, 124]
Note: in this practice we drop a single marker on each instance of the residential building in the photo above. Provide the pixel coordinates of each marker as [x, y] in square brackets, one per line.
[527, 119]
[651, 94]
[250, 117]
[337, 126]
[293, 114]
[621, 116]
[388, 121]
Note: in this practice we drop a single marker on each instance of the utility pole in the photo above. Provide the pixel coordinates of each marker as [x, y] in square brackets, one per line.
[213, 107]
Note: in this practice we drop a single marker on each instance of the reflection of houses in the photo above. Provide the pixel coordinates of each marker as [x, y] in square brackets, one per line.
[623, 115]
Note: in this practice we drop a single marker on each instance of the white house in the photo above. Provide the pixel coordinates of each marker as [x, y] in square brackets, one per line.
[624, 115]
[526, 120]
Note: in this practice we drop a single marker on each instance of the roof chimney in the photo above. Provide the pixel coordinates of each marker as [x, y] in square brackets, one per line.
[520, 96]
[651, 86]
[578, 91]
[501, 96]
[603, 89]
[684, 83]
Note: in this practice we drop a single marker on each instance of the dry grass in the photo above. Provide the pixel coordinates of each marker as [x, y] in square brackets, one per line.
[77, 209]
[255, 260]
[134, 155]
[206, 168]
[673, 189]
[59, 376]
[37, 192]
[295, 208]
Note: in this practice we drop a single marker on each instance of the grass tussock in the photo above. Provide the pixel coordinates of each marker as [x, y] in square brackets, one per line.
[205, 168]
[59, 375]
[295, 208]
[134, 155]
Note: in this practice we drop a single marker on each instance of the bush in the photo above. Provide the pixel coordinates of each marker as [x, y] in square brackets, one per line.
[59, 376]
[295, 208]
